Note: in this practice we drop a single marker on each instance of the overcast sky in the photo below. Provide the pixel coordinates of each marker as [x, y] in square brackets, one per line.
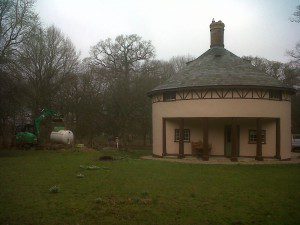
[178, 27]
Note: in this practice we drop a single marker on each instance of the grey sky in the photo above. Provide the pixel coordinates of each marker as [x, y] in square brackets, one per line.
[252, 27]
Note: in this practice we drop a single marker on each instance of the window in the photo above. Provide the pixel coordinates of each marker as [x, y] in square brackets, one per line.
[275, 95]
[253, 136]
[169, 96]
[296, 136]
[186, 135]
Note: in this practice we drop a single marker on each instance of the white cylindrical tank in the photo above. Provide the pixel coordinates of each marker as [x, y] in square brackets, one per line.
[62, 136]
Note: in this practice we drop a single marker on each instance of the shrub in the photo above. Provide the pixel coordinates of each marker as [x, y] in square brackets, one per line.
[54, 189]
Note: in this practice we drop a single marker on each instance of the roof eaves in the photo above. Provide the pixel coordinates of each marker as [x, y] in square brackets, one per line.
[156, 91]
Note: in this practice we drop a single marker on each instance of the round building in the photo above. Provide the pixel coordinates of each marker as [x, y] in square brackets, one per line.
[221, 105]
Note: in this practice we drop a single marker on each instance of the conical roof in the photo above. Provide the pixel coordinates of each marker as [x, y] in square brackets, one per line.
[218, 67]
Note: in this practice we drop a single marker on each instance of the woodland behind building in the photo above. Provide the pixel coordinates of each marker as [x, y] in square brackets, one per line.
[101, 96]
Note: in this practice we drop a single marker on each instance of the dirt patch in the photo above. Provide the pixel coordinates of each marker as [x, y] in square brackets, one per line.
[106, 158]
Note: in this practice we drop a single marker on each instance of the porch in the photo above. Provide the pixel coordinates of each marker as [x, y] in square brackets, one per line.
[233, 138]
[221, 160]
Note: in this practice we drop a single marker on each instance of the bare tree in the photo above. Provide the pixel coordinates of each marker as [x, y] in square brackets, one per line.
[296, 15]
[44, 62]
[123, 55]
[121, 59]
[16, 20]
[273, 68]
[295, 54]
[179, 62]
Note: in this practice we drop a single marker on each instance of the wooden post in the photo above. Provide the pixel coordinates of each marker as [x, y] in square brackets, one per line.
[258, 140]
[181, 138]
[278, 156]
[164, 138]
[205, 155]
[234, 142]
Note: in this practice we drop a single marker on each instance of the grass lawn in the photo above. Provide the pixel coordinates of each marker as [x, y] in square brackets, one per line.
[134, 191]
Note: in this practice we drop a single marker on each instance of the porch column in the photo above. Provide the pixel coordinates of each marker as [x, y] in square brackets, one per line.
[205, 155]
[258, 140]
[278, 156]
[234, 135]
[181, 138]
[164, 138]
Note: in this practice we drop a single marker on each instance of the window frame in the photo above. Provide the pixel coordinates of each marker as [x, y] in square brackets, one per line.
[185, 131]
[275, 95]
[169, 96]
[252, 140]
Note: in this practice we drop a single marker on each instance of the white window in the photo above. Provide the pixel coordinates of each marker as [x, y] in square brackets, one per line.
[186, 135]
[253, 136]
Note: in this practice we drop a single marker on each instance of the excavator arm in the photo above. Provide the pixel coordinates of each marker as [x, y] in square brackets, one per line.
[45, 113]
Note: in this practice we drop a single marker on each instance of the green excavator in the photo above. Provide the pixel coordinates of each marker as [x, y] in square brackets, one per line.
[29, 136]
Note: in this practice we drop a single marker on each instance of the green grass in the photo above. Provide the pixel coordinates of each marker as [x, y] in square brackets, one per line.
[134, 191]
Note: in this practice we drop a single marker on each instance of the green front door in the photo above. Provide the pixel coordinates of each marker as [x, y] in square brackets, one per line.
[228, 141]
